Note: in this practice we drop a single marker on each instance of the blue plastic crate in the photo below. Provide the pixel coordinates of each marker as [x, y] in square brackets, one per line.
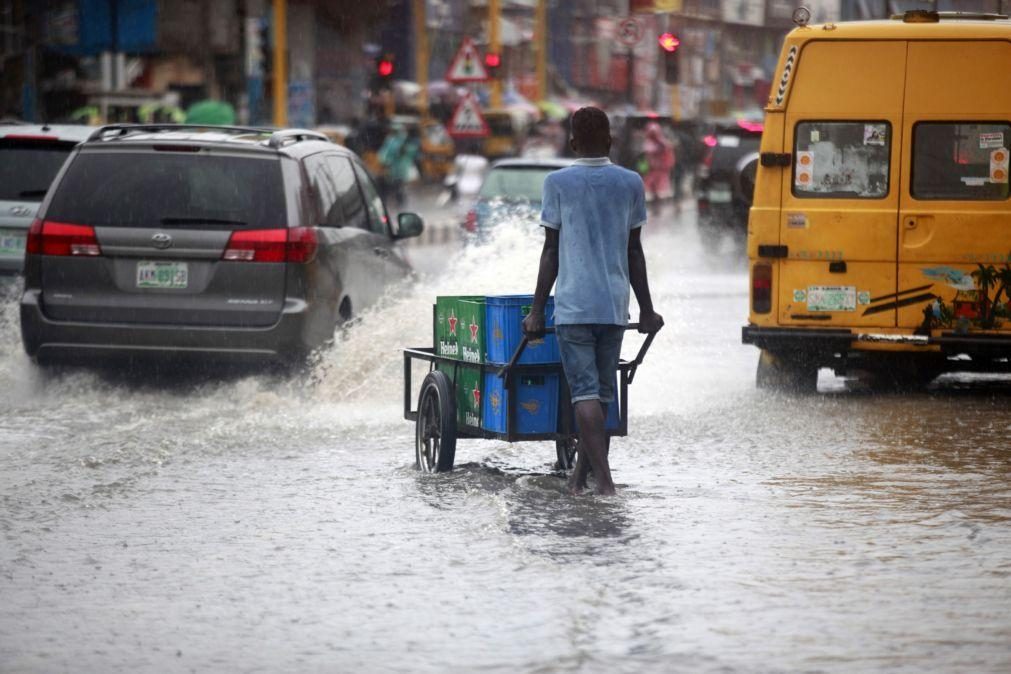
[536, 403]
[504, 316]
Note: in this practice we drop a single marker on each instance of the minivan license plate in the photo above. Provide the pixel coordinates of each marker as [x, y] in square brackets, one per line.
[11, 242]
[162, 275]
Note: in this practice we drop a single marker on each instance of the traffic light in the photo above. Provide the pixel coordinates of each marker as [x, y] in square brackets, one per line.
[384, 72]
[669, 44]
[492, 62]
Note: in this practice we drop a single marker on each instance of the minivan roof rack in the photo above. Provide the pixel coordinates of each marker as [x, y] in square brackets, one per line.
[277, 139]
[125, 129]
[930, 16]
[285, 136]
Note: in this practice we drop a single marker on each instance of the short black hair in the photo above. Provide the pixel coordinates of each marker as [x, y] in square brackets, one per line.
[590, 127]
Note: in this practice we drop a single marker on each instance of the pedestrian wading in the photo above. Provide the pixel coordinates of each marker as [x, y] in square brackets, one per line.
[592, 214]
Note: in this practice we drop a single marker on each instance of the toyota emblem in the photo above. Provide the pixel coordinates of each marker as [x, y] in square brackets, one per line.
[20, 210]
[161, 240]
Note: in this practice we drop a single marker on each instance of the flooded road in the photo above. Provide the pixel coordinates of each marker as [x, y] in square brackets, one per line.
[269, 523]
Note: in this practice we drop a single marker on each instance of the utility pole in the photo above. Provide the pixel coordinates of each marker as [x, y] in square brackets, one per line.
[495, 47]
[541, 42]
[421, 55]
[280, 63]
[630, 84]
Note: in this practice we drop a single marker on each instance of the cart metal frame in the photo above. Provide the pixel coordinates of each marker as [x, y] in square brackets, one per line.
[566, 423]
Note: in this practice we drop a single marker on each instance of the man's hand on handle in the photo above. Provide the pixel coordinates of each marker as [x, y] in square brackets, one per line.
[533, 324]
[650, 322]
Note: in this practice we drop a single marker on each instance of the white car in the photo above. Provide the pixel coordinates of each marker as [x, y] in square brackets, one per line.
[30, 157]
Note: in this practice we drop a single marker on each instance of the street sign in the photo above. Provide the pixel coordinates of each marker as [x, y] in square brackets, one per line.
[467, 120]
[466, 65]
[629, 32]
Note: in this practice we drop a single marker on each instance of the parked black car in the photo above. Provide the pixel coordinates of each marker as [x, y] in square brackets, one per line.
[181, 240]
[725, 179]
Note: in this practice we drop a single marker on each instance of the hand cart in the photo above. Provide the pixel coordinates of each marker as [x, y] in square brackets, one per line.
[437, 428]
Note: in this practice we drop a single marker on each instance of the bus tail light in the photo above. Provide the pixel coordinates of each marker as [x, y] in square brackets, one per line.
[761, 288]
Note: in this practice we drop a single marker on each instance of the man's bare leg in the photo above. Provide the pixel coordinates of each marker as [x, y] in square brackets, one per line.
[577, 481]
[593, 445]
[581, 471]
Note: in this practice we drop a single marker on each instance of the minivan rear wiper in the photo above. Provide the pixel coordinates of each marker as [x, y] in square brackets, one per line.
[201, 221]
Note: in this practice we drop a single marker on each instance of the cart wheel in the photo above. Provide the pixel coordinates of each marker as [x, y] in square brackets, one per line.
[435, 437]
[566, 450]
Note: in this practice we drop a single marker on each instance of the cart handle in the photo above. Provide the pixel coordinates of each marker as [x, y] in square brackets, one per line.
[548, 331]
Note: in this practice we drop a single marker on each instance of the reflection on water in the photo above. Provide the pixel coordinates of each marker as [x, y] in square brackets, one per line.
[276, 522]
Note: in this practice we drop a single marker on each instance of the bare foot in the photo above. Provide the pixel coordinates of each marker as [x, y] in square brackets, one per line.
[576, 488]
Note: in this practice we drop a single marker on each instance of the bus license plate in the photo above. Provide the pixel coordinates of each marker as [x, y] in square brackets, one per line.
[173, 275]
[832, 298]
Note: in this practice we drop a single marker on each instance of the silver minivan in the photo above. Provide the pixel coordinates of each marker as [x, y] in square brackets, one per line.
[175, 240]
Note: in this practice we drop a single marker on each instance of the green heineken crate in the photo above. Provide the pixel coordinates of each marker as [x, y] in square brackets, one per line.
[459, 327]
[468, 392]
[472, 342]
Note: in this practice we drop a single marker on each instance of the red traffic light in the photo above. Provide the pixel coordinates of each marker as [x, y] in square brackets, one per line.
[492, 60]
[385, 68]
[669, 42]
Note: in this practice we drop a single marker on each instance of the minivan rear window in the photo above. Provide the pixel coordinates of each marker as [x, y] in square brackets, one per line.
[961, 161]
[166, 190]
[515, 183]
[842, 160]
[27, 167]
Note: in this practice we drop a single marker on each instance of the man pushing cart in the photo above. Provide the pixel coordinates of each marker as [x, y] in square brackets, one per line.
[490, 380]
[593, 213]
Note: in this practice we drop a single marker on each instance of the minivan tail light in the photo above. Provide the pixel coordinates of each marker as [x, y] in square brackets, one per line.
[294, 244]
[761, 288]
[302, 244]
[61, 238]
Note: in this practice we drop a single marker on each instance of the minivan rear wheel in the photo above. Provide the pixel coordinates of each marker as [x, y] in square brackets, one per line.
[778, 372]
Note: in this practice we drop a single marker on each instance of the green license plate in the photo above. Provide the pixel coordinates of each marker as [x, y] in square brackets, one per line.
[162, 275]
[11, 242]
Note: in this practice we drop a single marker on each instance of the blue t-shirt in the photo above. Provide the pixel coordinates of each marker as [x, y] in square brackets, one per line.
[594, 205]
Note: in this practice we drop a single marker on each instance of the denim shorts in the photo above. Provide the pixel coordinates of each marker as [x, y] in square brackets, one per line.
[590, 354]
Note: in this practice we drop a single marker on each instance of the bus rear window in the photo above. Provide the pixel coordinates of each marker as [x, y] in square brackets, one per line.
[961, 161]
[842, 160]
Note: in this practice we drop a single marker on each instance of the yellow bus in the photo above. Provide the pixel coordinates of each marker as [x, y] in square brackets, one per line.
[879, 240]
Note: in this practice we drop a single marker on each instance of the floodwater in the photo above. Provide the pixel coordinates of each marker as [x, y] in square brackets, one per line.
[264, 523]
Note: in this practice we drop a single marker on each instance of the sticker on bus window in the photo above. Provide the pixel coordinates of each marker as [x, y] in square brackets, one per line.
[999, 166]
[874, 134]
[805, 169]
[991, 140]
[815, 135]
